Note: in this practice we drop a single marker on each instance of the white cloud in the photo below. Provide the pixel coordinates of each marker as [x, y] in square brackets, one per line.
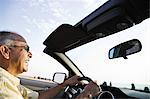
[88, 4]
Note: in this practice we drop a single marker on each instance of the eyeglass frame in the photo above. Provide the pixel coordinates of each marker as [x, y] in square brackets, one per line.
[26, 47]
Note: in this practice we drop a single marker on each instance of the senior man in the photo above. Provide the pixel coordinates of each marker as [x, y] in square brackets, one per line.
[14, 58]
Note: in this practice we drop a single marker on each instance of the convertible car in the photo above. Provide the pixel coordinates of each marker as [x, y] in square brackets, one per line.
[96, 39]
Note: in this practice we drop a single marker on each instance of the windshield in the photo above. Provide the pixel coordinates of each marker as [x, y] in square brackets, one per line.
[92, 59]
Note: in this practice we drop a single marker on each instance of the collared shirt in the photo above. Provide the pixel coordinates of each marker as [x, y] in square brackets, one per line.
[10, 87]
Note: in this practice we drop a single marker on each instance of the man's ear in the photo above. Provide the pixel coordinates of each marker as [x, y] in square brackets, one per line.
[5, 51]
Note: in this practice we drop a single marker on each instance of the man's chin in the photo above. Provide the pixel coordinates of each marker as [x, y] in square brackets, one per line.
[25, 69]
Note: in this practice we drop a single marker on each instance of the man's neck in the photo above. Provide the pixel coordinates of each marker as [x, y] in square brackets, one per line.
[9, 69]
[12, 71]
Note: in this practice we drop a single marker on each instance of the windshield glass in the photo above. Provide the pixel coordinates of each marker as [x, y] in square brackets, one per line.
[92, 59]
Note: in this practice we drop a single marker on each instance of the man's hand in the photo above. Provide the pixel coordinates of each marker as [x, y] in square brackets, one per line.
[90, 90]
[72, 81]
[52, 92]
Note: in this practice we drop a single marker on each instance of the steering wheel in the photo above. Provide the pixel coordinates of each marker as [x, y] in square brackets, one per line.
[103, 94]
[72, 91]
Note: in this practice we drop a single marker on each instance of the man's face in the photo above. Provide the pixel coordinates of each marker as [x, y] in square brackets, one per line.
[19, 56]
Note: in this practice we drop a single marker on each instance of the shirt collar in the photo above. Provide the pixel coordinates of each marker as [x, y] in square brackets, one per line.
[10, 77]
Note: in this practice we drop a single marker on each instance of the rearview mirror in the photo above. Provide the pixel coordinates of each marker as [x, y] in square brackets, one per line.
[124, 49]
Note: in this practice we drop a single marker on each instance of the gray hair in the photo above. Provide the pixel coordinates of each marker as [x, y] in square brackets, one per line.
[8, 37]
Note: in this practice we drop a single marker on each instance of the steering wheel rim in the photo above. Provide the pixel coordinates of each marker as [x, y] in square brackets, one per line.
[85, 78]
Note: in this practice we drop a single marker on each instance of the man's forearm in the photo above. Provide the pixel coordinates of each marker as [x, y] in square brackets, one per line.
[51, 92]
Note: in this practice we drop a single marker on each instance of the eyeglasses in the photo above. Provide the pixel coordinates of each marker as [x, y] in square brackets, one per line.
[26, 47]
